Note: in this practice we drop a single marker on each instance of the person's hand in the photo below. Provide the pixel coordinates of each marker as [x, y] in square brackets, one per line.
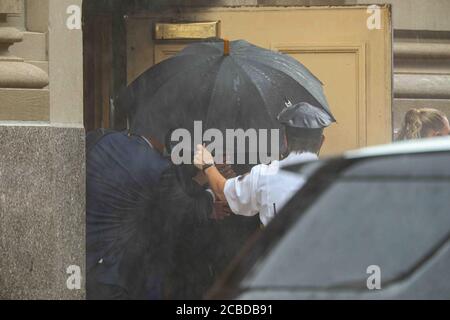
[221, 210]
[202, 157]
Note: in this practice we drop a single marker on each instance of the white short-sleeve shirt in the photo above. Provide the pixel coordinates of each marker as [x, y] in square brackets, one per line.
[266, 189]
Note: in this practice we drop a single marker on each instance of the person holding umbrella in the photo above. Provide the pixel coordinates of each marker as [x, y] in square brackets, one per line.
[266, 189]
[138, 205]
[222, 84]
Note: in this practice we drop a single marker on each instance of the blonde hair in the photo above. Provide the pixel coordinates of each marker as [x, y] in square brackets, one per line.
[419, 122]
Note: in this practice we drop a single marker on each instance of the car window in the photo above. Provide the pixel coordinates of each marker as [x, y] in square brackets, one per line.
[357, 223]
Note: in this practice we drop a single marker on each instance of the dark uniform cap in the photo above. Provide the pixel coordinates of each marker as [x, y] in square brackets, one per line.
[305, 116]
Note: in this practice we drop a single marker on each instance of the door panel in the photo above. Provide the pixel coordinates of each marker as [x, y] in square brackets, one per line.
[353, 62]
[346, 79]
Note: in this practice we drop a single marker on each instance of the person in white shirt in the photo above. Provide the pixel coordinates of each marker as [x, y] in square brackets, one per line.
[267, 188]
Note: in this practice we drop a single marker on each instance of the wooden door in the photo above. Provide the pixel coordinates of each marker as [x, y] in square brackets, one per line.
[335, 43]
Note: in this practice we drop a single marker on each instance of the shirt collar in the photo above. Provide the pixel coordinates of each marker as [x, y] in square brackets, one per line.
[296, 157]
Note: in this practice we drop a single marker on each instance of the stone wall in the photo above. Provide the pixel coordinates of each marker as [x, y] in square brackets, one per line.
[42, 197]
[42, 151]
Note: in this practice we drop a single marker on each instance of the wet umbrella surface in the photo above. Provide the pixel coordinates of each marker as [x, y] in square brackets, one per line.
[224, 84]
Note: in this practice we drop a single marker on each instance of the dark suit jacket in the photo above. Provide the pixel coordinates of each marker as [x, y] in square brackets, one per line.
[141, 214]
[122, 174]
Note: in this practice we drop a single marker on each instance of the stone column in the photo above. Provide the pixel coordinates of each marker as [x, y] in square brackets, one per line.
[21, 83]
[42, 157]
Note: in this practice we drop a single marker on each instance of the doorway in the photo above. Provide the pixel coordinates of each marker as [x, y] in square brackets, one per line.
[352, 60]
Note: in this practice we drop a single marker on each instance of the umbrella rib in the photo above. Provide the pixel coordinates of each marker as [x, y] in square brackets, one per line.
[306, 83]
[212, 93]
[136, 85]
[168, 80]
[320, 100]
[289, 70]
[273, 83]
[288, 61]
[178, 73]
[256, 87]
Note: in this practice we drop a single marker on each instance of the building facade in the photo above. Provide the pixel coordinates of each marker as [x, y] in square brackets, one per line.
[47, 102]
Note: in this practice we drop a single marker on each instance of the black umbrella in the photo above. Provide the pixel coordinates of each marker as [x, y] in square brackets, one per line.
[226, 85]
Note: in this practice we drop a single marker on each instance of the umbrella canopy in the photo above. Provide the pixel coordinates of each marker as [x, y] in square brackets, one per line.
[224, 85]
[304, 116]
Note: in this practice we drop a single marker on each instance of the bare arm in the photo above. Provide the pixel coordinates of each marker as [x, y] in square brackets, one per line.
[216, 182]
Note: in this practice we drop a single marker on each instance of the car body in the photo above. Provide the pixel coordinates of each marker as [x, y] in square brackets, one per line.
[371, 224]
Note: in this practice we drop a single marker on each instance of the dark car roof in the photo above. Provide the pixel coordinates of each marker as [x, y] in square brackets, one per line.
[394, 156]
[388, 209]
